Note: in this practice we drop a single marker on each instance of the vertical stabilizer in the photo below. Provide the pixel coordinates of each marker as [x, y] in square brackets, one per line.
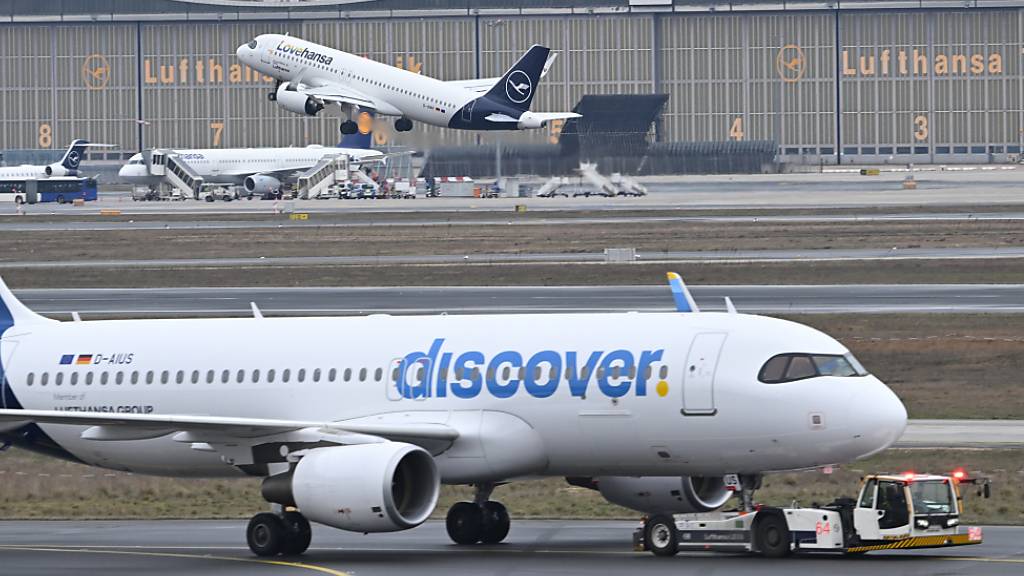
[14, 313]
[517, 87]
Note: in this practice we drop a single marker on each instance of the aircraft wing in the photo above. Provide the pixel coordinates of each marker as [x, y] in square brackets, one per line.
[482, 85]
[340, 95]
[226, 426]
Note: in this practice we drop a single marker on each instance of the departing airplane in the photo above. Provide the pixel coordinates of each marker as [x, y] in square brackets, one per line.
[258, 170]
[356, 422]
[311, 76]
[67, 166]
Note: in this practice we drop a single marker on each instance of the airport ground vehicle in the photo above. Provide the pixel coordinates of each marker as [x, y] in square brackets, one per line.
[901, 511]
[59, 189]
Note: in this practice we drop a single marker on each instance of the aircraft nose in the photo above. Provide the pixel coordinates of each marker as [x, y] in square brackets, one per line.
[883, 417]
[242, 51]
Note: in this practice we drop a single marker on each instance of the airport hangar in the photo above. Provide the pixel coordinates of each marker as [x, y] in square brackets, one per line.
[825, 82]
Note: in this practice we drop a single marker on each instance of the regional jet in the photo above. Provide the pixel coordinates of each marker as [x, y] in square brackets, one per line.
[355, 422]
[260, 171]
[67, 166]
[310, 76]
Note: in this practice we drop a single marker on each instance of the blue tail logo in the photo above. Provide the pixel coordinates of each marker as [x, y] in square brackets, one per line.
[517, 86]
[73, 157]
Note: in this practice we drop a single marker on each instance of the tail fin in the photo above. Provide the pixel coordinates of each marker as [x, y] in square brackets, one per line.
[517, 86]
[13, 312]
[363, 138]
[73, 157]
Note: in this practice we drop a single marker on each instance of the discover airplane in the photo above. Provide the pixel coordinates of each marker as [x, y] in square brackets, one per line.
[259, 171]
[67, 166]
[310, 76]
[355, 422]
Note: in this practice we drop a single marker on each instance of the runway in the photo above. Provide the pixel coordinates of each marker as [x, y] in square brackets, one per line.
[533, 547]
[869, 298]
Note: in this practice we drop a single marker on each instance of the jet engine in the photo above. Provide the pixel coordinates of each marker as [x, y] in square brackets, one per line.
[656, 494]
[260, 184]
[381, 487]
[529, 121]
[293, 101]
[56, 169]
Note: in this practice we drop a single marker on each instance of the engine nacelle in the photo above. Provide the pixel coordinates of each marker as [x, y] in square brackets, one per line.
[529, 121]
[261, 184]
[363, 488]
[293, 101]
[675, 495]
[56, 169]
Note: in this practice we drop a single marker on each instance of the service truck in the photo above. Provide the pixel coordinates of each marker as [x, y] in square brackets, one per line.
[893, 511]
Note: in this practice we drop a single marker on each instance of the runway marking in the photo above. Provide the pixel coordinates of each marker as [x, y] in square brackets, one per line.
[80, 550]
[980, 559]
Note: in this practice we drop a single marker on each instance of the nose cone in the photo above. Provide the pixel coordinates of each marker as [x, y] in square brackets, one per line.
[881, 418]
[241, 52]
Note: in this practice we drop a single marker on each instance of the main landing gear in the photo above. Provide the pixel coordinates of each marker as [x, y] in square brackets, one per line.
[403, 125]
[483, 520]
[270, 534]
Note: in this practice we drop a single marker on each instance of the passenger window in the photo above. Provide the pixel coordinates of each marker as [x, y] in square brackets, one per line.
[58, 378]
[663, 372]
[286, 375]
[119, 378]
[394, 374]
[362, 374]
[332, 374]
[88, 378]
[301, 376]
[506, 372]
[43, 378]
[210, 376]
[135, 377]
[149, 377]
[29, 378]
[165, 377]
[225, 376]
[270, 376]
[316, 375]
[616, 371]
[195, 376]
[74, 378]
[490, 373]
[867, 499]
[240, 376]
[104, 376]
[378, 374]
[459, 373]
[179, 377]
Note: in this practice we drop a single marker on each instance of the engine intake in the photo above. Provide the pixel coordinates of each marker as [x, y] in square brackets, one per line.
[261, 184]
[656, 495]
[363, 488]
[293, 101]
[57, 170]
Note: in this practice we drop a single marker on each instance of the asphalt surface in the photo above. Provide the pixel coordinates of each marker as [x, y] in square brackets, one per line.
[871, 298]
[708, 256]
[963, 434]
[532, 548]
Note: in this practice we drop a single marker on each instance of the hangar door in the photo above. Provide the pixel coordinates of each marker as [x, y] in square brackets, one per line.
[699, 376]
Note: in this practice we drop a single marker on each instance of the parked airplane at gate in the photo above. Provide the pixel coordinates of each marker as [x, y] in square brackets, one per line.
[258, 170]
[311, 76]
[67, 166]
[356, 421]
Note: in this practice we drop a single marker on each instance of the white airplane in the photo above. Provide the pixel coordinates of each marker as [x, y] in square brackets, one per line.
[259, 170]
[311, 76]
[356, 422]
[67, 166]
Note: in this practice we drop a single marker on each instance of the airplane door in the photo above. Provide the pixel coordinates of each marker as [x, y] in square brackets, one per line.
[7, 399]
[699, 374]
[467, 111]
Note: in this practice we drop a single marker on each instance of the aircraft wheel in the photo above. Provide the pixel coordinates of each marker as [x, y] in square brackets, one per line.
[298, 534]
[660, 535]
[773, 536]
[266, 534]
[403, 125]
[465, 523]
[496, 522]
[349, 127]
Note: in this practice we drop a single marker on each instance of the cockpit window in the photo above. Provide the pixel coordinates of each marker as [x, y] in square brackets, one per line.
[252, 44]
[791, 367]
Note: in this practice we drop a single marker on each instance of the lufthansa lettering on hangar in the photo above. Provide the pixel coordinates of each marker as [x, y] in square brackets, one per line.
[918, 62]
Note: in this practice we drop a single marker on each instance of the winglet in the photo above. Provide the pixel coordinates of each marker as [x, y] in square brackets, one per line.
[13, 312]
[684, 300]
[255, 310]
[729, 306]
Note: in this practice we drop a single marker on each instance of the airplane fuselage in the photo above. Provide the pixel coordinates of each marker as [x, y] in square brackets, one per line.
[585, 394]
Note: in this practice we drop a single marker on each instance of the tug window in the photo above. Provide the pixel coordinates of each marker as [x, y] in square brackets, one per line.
[791, 367]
